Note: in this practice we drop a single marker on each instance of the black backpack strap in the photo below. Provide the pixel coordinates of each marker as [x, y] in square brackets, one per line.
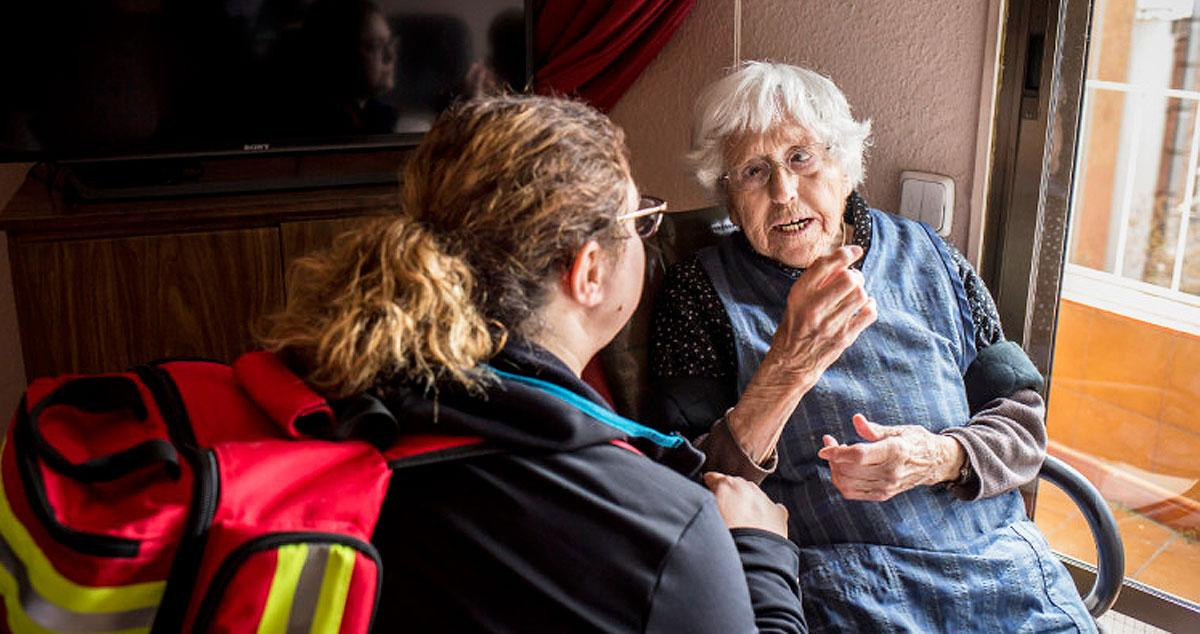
[461, 448]
[418, 450]
[101, 394]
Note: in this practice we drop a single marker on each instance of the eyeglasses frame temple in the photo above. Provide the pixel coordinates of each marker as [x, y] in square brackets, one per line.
[659, 207]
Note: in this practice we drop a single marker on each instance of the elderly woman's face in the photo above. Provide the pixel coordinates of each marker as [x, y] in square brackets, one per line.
[786, 194]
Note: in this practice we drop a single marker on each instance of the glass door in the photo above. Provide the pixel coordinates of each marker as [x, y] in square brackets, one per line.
[1098, 274]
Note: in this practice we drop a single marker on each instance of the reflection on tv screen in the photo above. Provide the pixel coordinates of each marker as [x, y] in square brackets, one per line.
[132, 77]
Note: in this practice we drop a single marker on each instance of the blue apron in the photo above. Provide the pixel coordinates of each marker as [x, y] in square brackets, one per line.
[923, 561]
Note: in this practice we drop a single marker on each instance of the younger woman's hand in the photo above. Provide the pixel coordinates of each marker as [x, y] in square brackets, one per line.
[743, 505]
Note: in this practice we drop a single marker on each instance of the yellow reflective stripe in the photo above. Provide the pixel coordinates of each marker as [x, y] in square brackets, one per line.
[288, 564]
[47, 581]
[51, 616]
[18, 621]
[339, 569]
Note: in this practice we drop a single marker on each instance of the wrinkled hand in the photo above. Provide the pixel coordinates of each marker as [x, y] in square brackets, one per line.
[827, 308]
[893, 460]
[743, 505]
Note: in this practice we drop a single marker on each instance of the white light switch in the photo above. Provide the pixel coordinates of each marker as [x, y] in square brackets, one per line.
[928, 198]
[912, 197]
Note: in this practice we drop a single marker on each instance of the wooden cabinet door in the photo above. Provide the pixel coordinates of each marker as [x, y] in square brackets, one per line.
[96, 305]
[302, 238]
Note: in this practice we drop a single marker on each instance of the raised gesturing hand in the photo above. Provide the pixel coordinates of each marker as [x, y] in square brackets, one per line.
[827, 308]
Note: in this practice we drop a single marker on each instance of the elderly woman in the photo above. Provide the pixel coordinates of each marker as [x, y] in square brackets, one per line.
[853, 363]
[517, 257]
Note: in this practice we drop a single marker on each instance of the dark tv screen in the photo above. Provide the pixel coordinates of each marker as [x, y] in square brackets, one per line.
[98, 79]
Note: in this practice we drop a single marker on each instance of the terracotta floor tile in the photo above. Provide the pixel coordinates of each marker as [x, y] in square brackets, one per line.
[1127, 363]
[1075, 540]
[1177, 452]
[1176, 570]
[1054, 510]
[1074, 383]
[1143, 540]
[1068, 532]
[1063, 525]
[1110, 432]
[1062, 416]
[1181, 406]
[1181, 409]
[1075, 322]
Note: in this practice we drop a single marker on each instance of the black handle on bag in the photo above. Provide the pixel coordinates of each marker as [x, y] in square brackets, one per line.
[99, 394]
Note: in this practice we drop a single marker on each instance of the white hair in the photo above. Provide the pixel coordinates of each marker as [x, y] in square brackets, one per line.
[758, 96]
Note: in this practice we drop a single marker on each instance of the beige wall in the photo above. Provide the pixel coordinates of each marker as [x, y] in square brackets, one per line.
[913, 67]
[12, 367]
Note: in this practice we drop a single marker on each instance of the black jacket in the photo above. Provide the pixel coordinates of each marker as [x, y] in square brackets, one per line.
[563, 531]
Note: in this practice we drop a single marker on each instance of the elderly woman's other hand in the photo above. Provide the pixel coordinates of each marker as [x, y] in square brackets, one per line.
[893, 460]
[743, 505]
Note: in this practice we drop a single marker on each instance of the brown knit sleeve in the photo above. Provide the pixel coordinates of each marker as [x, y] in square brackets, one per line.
[723, 454]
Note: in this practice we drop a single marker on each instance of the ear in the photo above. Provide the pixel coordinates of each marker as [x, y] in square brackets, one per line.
[584, 282]
[732, 210]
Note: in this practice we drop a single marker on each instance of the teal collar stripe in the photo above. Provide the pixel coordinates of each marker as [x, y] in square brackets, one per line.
[595, 411]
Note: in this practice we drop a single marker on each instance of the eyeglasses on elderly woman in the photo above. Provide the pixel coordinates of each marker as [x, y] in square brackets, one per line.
[756, 172]
[647, 217]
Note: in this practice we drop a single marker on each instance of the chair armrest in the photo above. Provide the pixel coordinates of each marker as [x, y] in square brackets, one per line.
[1110, 550]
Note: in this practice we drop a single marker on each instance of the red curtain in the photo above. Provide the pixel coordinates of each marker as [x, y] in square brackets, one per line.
[594, 49]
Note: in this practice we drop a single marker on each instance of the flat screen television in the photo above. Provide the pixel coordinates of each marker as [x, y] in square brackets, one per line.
[97, 80]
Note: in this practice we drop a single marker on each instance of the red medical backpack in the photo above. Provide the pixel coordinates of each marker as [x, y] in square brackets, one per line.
[192, 496]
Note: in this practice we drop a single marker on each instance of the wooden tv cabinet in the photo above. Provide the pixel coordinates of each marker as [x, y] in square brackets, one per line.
[106, 285]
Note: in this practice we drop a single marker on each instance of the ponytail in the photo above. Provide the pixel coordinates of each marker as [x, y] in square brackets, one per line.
[496, 201]
[385, 303]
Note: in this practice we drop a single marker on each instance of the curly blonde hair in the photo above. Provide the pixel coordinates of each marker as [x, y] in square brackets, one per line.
[495, 202]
